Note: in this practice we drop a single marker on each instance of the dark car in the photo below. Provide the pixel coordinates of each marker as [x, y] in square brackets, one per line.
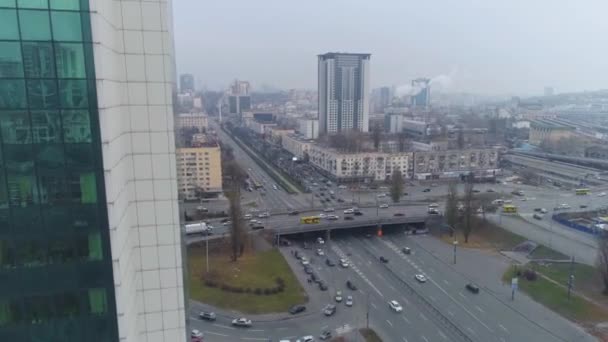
[383, 259]
[296, 309]
[405, 194]
[308, 270]
[325, 335]
[315, 278]
[340, 200]
[406, 250]
[476, 191]
[257, 227]
[322, 286]
[349, 218]
[358, 213]
[398, 214]
[426, 190]
[297, 255]
[472, 287]
[224, 220]
[351, 286]
[329, 263]
[293, 213]
[209, 316]
[583, 206]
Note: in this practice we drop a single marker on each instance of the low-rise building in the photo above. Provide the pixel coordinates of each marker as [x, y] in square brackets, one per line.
[276, 134]
[548, 130]
[296, 145]
[192, 120]
[199, 170]
[308, 128]
[483, 163]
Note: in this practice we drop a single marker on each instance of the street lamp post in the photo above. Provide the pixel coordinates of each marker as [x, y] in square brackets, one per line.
[455, 243]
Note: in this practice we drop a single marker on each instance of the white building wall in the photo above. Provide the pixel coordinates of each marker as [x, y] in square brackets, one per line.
[133, 50]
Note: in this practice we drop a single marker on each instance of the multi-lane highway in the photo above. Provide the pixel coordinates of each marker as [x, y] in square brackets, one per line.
[438, 310]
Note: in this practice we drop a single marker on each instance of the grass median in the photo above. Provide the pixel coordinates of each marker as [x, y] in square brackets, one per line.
[252, 270]
[555, 297]
[370, 335]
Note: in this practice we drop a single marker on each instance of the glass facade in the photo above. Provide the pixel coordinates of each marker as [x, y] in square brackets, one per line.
[56, 280]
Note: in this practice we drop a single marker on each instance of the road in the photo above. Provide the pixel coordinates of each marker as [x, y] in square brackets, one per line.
[487, 316]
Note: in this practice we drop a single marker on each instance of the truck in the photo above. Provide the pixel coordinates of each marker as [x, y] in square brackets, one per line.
[198, 228]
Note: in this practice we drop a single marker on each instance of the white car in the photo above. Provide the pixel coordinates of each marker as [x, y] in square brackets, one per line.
[383, 205]
[247, 216]
[349, 301]
[308, 338]
[338, 296]
[320, 252]
[343, 263]
[332, 217]
[395, 306]
[320, 241]
[381, 195]
[420, 277]
[322, 215]
[329, 210]
[601, 194]
[241, 322]
[304, 261]
[349, 211]
[543, 210]
[196, 333]
[564, 206]
[263, 215]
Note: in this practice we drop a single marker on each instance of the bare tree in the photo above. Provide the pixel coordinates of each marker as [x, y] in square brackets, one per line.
[602, 260]
[451, 205]
[460, 138]
[396, 186]
[376, 135]
[233, 193]
[469, 210]
[404, 142]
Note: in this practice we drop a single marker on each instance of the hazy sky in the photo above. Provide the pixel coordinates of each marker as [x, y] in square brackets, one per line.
[484, 46]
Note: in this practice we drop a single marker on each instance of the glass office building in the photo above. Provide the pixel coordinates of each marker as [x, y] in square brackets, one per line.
[71, 265]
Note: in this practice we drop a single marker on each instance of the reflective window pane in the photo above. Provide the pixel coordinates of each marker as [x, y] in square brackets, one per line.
[12, 94]
[8, 24]
[7, 3]
[65, 4]
[42, 94]
[38, 60]
[66, 26]
[10, 60]
[73, 93]
[83, 188]
[76, 126]
[33, 3]
[35, 25]
[46, 127]
[15, 128]
[97, 303]
[70, 60]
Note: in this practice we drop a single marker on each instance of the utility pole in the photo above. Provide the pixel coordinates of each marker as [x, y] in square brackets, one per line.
[571, 277]
[367, 313]
[455, 243]
[207, 252]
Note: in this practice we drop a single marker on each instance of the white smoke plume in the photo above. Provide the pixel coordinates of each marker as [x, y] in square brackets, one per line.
[441, 82]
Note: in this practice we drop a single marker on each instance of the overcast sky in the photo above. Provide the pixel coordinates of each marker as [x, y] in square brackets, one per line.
[484, 46]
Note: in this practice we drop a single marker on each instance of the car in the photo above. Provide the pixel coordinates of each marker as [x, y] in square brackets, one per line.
[395, 306]
[543, 210]
[320, 252]
[308, 269]
[241, 322]
[332, 217]
[329, 210]
[247, 216]
[195, 333]
[538, 216]
[349, 301]
[398, 214]
[263, 215]
[320, 241]
[343, 263]
[426, 190]
[358, 213]
[349, 211]
[207, 315]
[275, 187]
[330, 263]
[340, 200]
[329, 310]
[296, 309]
[304, 261]
[406, 250]
[297, 255]
[490, 190]
[338, 296]
[294, 213]
[315, 278]
[472, 288]
[420, 278]
[224, 220]
[322, 215]
[383, 206]
[349, 218]
[582, 206]
[325, 335]
[601, 194]
[537, 209]
[342, 187]
[383, 259]
[227, 223]
[308, 338]
[564, 206]
[322, 286]
[257, 227]
[351, 286]
[306, 246]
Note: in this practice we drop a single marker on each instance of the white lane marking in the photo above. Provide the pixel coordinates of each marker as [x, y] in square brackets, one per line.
[479, 309]
[471, 330]
[450, 313]
[381, 277]
[502, 339]
[406, 320]
[389, 322]
[442, 335]
[446, 282]
[424, 338]
[432, 298]
[373, 305]
[254, 339]
[256, 330]
[405, 339]
[423, 317]
[214, 333]
[392, 288]
[461, 295]
[503, 328]
[223, 326]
